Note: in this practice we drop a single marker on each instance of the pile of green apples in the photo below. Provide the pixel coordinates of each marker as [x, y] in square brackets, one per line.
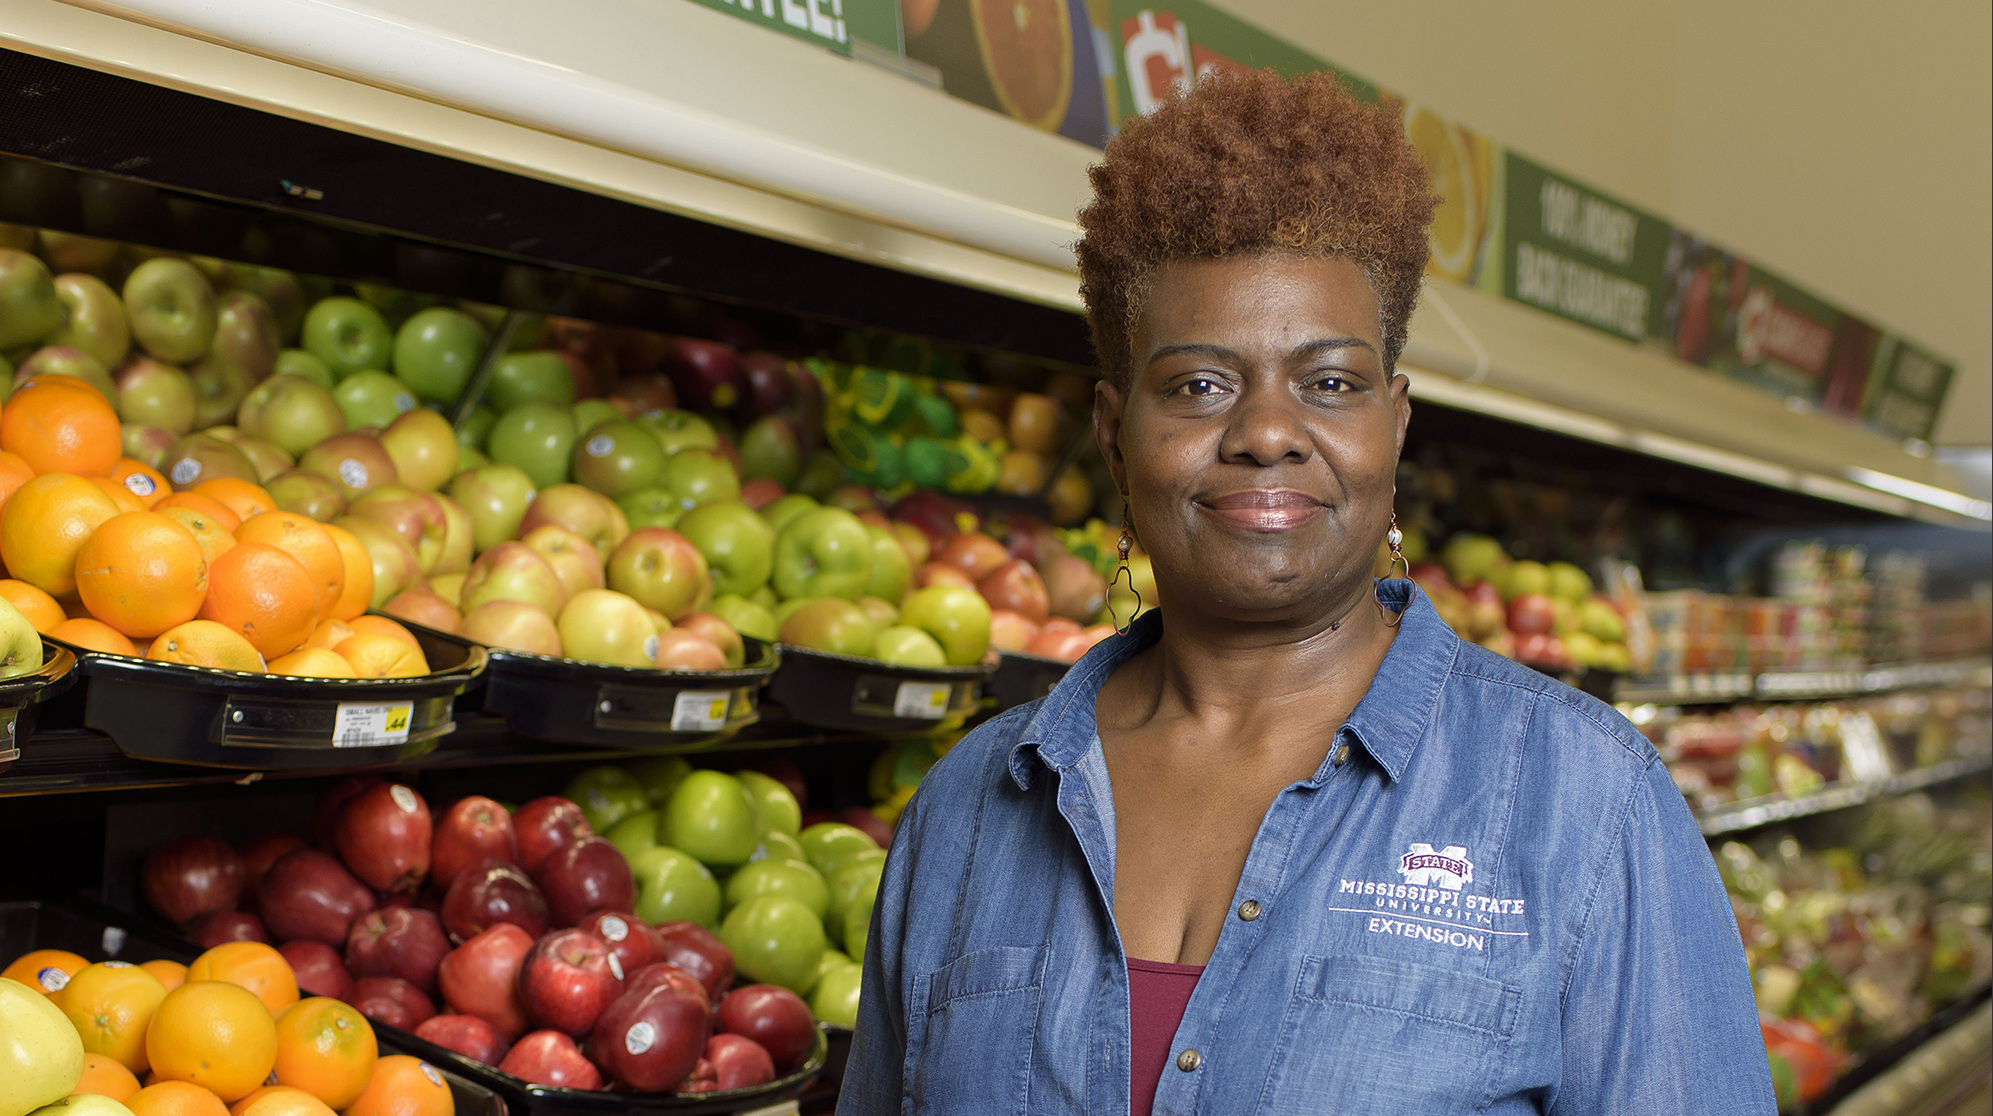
[730, 852]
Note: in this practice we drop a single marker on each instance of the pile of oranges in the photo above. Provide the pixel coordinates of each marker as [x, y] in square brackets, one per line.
[226, 1036]
[102, 553]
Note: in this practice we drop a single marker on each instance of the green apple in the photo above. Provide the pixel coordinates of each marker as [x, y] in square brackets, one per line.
[470, 457]
[883, 614]
[772, 447]
[849, 878]
[308, 494]
[604, 626]
[591, 413]
[171, 308]
[775, 808]
[672, 885]
[96, 323]
[821, 474]
[891, 570]
[1566, 581]
[219, 387]
[618, 457]
[536, 437]
[423, 447]
[826, 844]
[372, 398]
[775, 940]
[785, 609]
[496, 496]
[834, 998]
[680, 430]
[765, 598]
[778, 844]
[908, 647]
[660, 775]
[659, 568]
[958, 618]
[20, 644]
[348, 335]
[782, 509]
[436, 351]
[61, 360]
[830, 624]
[748, 618]
[858, 920]
[476, 427]
[739, 545]
[29, 307]
[536, 377]
[635, 833]
[711, 817]
[44, 1054]
[771, 876]
[291, 413]
[831, 959]
[700, 477]
[826, 552]
[300, 362]
[651, 507]
[606, 794]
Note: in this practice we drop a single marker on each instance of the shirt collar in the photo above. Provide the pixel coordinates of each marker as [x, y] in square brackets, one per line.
[1387, 723]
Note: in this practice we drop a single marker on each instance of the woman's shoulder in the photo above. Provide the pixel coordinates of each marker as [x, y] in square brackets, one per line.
[1589, 728]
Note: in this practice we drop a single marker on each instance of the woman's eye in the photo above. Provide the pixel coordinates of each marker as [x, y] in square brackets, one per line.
[1334, 385]
[1201, 385]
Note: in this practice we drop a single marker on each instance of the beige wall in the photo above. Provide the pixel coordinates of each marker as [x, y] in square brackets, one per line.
[1847, 144]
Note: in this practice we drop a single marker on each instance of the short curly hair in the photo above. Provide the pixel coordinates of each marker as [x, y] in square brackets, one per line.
[1250, 162]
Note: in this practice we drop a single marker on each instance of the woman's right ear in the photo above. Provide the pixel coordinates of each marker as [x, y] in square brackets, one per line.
[1107, 400]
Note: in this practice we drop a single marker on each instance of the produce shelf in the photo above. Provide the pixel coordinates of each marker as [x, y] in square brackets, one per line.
[1755, 812]
[1712, 689]
[1934, 1077]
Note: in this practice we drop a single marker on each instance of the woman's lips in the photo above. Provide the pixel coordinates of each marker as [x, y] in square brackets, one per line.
[1264, 509]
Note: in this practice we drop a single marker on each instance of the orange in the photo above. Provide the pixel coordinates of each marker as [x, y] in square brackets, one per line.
[111, 1003]
[205, 643]
[45, 969]
[206, 505]
[172, 974]
[105, 1076]
[312, 662]
[280, 1100]
[45, 523]
[325, 1048]
[119, 494]
[263, 594]
[404, 1086]
[305, 539]
[359, 591]
[253, 965]
[206, 529]
[329, 634]
[56, 428]
[14, 473]
[141, 480]
[175, 1098]
[244, 498]
[373, 655]
[41, 609]
[213, 1034]
[93, 635]
[381, 625]
[142, 573]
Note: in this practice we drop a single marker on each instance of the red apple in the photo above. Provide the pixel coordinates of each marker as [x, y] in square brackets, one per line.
[550, 1058]
[636, 943]
[192, 876]
[566, 980]
[466, 1035]
[261, 851]
[325, 811]
[405, 942]
[697, 950]
[1073, 588]
[589, 875]
[544, 825]
[784, 771]
[773, 1016]
[490, 893]
[936, 515]
[650, 1039]
[761, 492]
[940, 573]
[307, 894]
[1010, 631]
[1531, 614]
[705, 373]
[1016, 586]
[383, 836]
[319, 970]
[216, 927]
[471, 830]
[974, 553]
[684, 649]
[664, 974]
[738, 1062]
[391, 1001]
[481, 978]
[865, 820]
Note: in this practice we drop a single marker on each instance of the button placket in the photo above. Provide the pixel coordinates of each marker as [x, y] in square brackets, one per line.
[1249, 910]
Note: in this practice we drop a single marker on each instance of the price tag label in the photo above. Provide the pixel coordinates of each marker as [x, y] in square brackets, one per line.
[700, 711]
[927, 701]
[361, 725]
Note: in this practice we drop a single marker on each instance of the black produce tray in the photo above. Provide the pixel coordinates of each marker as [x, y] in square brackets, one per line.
[175, 713]
[1022, 678]
[595, 705]
[20, 694]
[866, 695]
[101, 934]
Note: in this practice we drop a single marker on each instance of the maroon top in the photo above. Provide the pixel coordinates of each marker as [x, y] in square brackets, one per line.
[1157, 995]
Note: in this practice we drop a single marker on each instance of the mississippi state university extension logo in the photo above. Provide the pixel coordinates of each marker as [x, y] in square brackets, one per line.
[1448, 868]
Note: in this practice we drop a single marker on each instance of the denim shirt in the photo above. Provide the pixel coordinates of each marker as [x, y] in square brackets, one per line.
[1489, 897]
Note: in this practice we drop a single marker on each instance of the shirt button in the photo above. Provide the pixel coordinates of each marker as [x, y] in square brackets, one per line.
[1189, 1060]
[1249, 910]
[1342, 754]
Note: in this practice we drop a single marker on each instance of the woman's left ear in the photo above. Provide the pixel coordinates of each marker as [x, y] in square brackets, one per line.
[1401, 401]
[1107, 399]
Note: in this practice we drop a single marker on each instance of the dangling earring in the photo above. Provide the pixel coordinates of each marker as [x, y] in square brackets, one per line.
[1395, 540]
[1126, 544]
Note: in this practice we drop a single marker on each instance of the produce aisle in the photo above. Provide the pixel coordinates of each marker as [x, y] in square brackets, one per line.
[501, 660]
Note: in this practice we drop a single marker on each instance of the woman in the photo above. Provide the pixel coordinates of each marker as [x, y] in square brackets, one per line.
[1287, 844]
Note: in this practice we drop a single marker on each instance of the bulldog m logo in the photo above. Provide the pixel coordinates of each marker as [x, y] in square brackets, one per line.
[1448, 868]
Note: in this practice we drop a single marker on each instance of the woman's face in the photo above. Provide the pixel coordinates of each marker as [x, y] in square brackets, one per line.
[1258, 435]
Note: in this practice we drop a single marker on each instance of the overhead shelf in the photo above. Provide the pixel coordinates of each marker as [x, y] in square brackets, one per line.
[1756, 812]
[1708, 689]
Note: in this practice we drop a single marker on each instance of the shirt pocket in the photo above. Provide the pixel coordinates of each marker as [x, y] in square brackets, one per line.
[971, 1049]
[1371, 1034]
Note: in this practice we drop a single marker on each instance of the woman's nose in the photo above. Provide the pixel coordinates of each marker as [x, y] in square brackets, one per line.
[1265, 427]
